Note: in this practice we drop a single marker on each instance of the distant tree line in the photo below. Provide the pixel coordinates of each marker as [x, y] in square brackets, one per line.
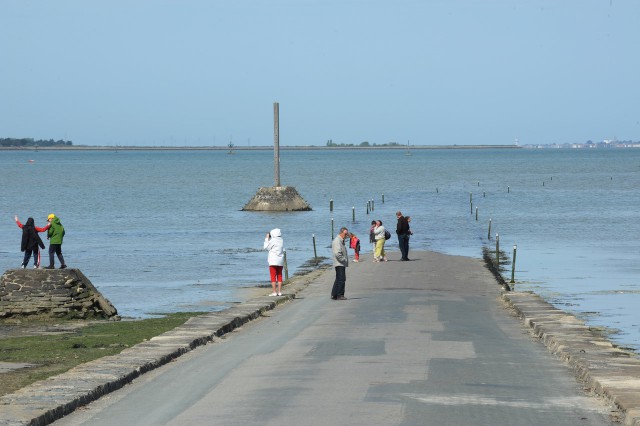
[365, 144]
[14, 142]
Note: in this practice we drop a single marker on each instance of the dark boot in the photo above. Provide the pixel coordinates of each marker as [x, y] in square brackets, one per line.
[61, 259]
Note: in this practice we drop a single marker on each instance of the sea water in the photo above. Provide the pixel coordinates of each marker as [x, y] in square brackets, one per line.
[163, 231]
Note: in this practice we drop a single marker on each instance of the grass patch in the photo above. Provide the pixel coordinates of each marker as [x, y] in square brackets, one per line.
[55, 354]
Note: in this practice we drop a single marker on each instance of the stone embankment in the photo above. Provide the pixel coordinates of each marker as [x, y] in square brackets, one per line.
[55, 293]
[607, 370]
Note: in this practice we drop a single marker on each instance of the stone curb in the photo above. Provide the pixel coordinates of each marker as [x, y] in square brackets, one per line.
[48, 400]
[610, 372]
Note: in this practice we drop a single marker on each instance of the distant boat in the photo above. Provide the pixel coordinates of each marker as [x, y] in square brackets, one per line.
[408, 153]
[231, 148]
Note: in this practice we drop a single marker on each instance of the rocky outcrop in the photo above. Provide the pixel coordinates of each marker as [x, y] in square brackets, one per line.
[55, 293]
[277, 198]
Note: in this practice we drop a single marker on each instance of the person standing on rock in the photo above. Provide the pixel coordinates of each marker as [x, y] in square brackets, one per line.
[274, 243]
[31, 241]
[55, 235]
[340, 263]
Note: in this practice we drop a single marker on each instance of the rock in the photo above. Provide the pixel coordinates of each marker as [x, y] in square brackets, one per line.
[51, 293]
[277, 198]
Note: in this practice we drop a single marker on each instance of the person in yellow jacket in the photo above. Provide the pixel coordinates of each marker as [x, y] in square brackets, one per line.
[55, 235]
[380, 236]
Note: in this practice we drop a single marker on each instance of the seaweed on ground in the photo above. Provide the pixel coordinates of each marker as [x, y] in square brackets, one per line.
[496, 267]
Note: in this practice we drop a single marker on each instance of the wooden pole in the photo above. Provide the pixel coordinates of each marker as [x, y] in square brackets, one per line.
[513, 265]
[315, 252]
[286, 268]
[276, 140]
[332, 236]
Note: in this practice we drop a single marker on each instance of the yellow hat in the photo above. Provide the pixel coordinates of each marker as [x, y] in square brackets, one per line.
[51, 216]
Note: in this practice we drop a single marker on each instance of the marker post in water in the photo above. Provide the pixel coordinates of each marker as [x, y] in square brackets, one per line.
[315, 251]
[489, 233]
[353, 214]
[513, 265]
[332, 237]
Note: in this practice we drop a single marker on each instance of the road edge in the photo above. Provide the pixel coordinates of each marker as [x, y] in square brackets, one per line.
[608, 371]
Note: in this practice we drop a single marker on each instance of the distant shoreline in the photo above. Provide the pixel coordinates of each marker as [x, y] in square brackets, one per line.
[249, 148]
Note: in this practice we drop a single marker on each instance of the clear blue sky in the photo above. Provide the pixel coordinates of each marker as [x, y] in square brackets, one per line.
[431, 72]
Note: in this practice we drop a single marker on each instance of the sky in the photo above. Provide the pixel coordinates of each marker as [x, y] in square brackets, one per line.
[424, 72]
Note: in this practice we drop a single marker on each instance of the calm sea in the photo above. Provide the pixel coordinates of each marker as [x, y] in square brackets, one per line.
[162, 231]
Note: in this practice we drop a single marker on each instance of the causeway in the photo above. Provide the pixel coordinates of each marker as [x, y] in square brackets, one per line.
[432, 341]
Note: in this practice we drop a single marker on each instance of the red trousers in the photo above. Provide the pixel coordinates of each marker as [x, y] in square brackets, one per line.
[276, 273]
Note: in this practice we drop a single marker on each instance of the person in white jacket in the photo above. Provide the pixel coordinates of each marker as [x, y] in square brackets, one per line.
[379, 233]
[274, 243]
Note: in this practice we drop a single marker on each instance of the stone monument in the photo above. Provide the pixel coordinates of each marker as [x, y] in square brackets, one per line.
[277, 198]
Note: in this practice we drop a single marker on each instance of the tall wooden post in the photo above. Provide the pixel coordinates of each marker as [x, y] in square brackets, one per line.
[276, 140]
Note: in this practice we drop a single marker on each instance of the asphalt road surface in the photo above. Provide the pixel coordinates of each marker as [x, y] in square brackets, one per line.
[424, 342]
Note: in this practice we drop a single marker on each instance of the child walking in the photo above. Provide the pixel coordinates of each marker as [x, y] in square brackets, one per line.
[355, 245]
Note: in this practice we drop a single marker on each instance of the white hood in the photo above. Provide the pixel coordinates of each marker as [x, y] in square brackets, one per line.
[275, 232]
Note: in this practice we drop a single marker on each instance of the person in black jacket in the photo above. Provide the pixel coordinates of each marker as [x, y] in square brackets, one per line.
[403, 231]
[31, 242]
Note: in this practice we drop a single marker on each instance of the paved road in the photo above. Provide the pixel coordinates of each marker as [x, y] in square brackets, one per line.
[425, 342]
